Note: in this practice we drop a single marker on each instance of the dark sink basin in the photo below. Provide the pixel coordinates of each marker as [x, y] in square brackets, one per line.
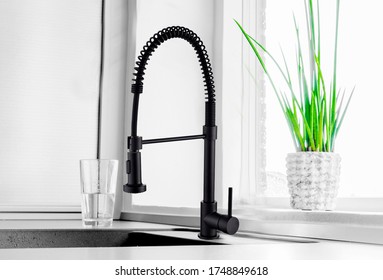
[89, 238]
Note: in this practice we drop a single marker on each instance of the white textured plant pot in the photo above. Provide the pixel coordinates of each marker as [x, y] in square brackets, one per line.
[313, 180]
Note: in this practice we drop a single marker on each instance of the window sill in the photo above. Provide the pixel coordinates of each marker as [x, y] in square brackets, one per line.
[365, 227]
[163, 215]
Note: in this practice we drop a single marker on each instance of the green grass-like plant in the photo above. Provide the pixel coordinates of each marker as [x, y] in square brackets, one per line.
[313, 109]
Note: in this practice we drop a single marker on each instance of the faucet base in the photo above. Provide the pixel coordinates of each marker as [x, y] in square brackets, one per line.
[208, 237]
[207, 231]
[212, 221]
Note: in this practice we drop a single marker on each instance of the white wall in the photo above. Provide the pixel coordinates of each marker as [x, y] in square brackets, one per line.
[49, 92]
[49, 69]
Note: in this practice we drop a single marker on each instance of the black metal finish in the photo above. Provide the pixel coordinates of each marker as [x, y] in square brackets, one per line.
[135, 143]
[133, 169]
[211, 221]
[209, 163]
[230, 202]
[173, 139]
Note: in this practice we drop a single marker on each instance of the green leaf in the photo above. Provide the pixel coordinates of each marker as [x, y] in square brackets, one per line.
[320, 126]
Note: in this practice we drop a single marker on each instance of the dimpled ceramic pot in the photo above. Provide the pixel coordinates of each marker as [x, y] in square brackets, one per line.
[313, 180]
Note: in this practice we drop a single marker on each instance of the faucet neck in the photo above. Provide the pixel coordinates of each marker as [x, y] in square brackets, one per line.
[210, 133]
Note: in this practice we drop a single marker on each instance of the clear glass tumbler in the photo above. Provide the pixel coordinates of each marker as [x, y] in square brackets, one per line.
[98, 188]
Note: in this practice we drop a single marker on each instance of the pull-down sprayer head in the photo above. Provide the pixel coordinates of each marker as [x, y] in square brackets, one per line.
[133, 166]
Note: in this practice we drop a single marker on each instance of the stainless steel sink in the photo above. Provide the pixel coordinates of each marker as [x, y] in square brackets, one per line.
[90, 238]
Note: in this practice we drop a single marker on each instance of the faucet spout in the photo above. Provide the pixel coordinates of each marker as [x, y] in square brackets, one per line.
[211, 221]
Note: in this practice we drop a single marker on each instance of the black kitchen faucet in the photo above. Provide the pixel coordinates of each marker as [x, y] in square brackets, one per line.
[211, 220]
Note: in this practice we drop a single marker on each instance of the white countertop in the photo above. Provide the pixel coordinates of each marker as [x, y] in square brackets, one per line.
[244, 246]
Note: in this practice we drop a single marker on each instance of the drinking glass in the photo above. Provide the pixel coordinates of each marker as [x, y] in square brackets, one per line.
[98, 187]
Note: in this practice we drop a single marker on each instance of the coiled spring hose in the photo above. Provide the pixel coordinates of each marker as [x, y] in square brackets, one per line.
[153, 43]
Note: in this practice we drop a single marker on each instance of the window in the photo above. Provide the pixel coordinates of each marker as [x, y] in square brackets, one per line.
[358, 65]
[358, 214]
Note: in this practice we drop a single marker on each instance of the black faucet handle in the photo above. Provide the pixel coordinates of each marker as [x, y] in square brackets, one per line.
[228, 223]
[230, 202]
